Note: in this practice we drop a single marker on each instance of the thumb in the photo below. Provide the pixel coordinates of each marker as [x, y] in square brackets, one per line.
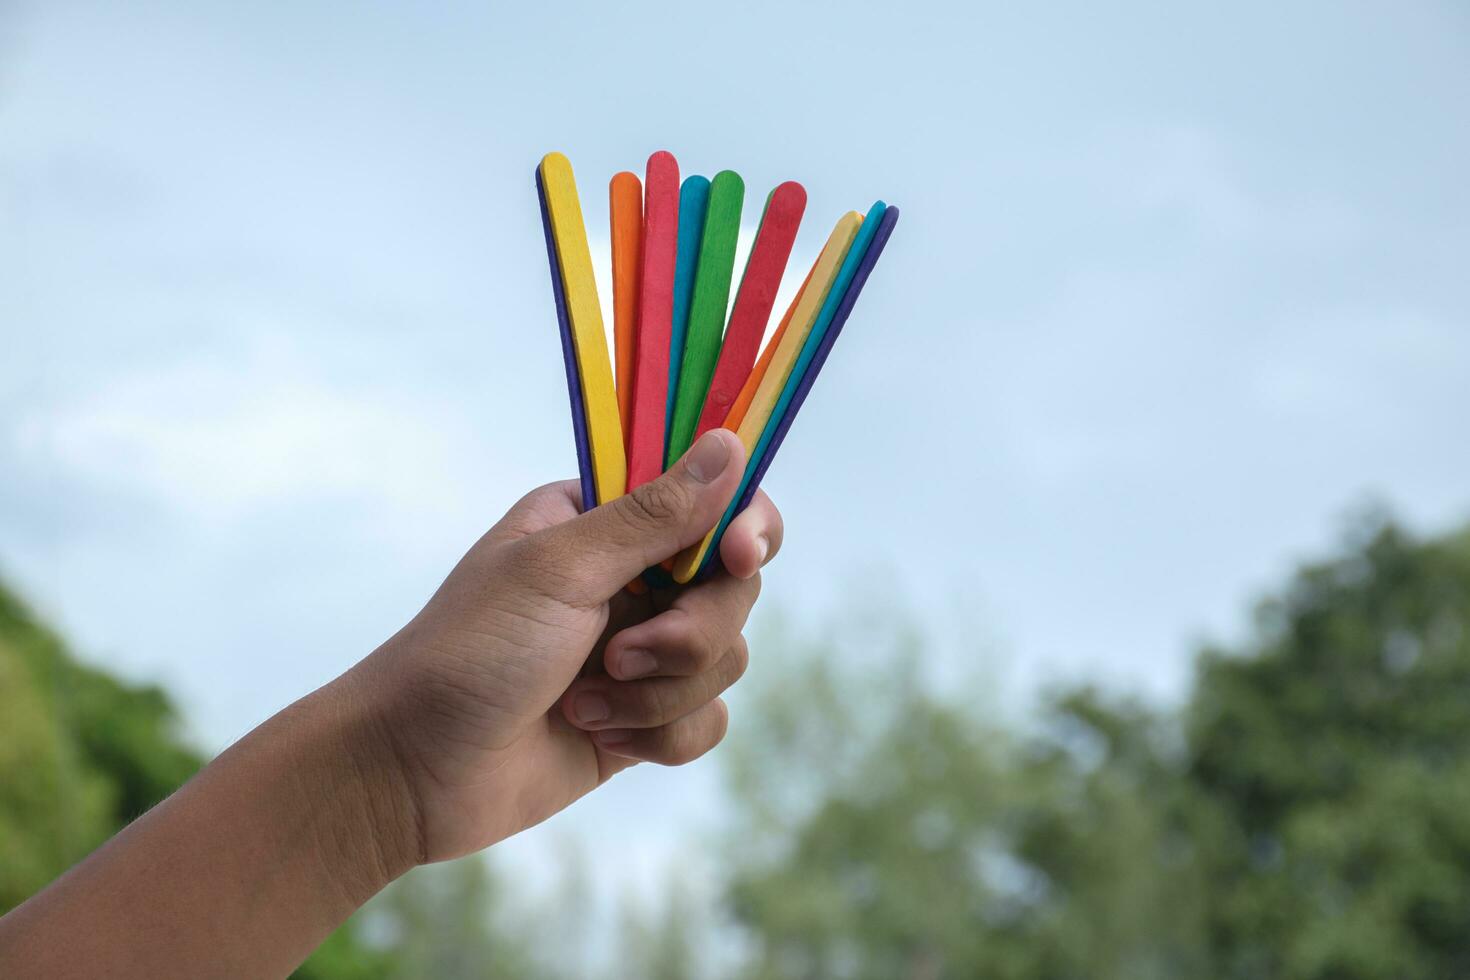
[611, 545]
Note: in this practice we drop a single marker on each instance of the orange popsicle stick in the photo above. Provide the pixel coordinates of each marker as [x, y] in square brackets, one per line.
[625, 214]
[747, 392]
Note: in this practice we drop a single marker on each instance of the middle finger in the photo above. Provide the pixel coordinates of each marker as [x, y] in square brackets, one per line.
[599, 702]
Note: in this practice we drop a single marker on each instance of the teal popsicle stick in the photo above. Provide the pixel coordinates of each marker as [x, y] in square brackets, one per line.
[693, 200]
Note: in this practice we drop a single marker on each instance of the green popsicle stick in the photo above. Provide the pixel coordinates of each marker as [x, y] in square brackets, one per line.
[707, 308]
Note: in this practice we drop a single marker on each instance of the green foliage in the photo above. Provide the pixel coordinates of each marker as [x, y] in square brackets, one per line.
[664, 946]
[936, 846]
[1338, 747]
[81, 754]
[447, 921]
[344, 956]
[1306, 816]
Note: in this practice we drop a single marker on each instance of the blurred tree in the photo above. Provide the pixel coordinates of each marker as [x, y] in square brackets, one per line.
[668, 941]
[1307, 815]
[81, 754]
[449, 922]
[1336, 746]
[932, 845]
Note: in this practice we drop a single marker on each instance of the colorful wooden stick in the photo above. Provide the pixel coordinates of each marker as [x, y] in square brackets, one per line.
[625, 216]
[569, 357]
[788, 408]
[647, 426]
[824, 275]
[771, 443]
[753, 302]
[707, 308]
[819, 298]
[604, 426]
[795, 397]
[747, 391]
[693, 202]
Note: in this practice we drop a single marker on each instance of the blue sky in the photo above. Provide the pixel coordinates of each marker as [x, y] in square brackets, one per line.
[1174, 290]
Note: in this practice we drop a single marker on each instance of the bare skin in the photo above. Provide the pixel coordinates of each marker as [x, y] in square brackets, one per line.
[530, 679]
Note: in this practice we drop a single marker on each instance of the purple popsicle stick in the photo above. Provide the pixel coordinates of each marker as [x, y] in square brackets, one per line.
[839, 318]
[569, 355]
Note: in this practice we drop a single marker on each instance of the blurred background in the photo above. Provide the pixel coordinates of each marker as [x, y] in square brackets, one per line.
[1121, 625]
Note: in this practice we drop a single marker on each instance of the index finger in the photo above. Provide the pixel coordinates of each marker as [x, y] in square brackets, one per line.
[753, 537]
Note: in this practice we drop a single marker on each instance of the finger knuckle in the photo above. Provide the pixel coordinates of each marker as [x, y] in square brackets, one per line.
[656, 503]
[682, 746]
[738, 658]
[541, 564]
[656, 703]
[688, 742]
[692, 638]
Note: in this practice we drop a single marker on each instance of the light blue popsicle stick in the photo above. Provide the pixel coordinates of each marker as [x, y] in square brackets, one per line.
[693, 200]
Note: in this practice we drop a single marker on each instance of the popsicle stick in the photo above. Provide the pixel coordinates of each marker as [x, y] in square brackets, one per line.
[839, 256]
[775, 434]
[752, 382]
[753, 302]
[625, 216]
[766, 450]
[693, 202]
[693, 205]
[604, 426]
[808, 312]
[569, 358]
[707, 307]
[647, 421]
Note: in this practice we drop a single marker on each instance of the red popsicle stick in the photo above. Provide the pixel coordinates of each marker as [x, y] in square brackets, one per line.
[747, 392]
[625, 214]
[655, 318]
[753, 303]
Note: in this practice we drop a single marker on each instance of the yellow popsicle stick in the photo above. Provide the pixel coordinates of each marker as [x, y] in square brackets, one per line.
[813, 295]
[600, 402]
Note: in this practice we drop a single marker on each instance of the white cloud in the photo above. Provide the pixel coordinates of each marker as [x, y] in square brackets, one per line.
[214, 438]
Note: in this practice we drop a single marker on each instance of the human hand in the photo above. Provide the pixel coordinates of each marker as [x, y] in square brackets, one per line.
[532, 676]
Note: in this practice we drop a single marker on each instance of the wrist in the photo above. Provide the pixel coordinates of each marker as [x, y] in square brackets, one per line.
[376, 834]
[248, 867]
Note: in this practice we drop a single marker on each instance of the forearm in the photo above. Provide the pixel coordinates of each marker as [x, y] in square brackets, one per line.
[244, 870]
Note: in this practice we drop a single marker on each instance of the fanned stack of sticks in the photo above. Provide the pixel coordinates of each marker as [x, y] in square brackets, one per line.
[680, 369]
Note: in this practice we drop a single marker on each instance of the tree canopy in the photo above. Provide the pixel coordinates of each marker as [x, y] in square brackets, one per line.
[1305, 815]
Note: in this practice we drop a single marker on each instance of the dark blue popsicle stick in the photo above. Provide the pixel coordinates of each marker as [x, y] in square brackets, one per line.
[808, 378]
[569, 355]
